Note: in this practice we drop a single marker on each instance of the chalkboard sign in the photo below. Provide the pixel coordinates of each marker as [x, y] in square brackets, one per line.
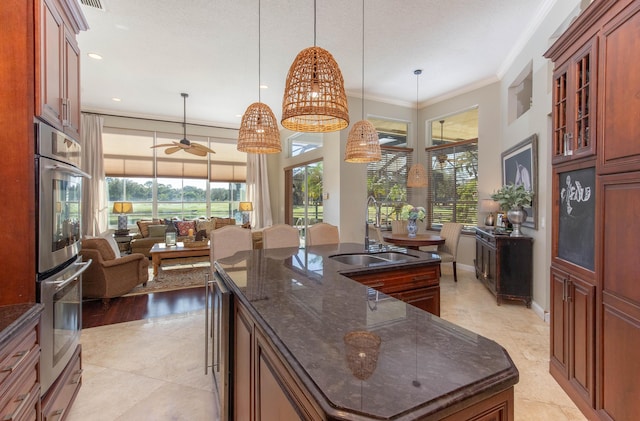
[576, 226]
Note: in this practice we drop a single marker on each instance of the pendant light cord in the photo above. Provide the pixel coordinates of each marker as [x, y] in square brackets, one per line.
[362, 92]
[417, 72]
[315, 11]
[259, 53]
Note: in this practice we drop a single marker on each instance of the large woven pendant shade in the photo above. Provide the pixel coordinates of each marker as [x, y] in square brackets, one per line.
[417, 176]
[314, 97]
[259, 130]
[363, 144]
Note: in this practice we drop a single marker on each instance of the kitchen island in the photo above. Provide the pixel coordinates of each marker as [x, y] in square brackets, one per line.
[309, 342]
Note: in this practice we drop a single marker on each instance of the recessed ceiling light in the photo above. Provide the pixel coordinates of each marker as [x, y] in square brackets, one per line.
[95, 56]
[116, 99]
[264, 87]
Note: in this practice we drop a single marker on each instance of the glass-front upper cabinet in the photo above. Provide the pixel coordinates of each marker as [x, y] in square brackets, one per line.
[574, 106]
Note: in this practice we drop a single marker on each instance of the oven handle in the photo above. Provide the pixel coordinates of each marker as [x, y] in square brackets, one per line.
[68, 169]
[83, 266]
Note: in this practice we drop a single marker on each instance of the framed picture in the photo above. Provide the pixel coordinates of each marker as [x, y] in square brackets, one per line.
[520, 166]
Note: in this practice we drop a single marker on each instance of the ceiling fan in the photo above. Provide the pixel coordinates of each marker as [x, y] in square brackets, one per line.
[185, 144]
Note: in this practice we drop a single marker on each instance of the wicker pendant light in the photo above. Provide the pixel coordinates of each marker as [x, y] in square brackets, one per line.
[314, 97]
[417, 176]
[259, 128]
[363, 144]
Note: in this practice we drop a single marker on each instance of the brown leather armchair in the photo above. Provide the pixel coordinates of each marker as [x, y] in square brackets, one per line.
[109, 276]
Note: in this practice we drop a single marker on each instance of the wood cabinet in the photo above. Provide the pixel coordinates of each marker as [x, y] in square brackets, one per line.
[58, 70]
[63, 392]
[574, 106]
[504, 264]
[264, 388]
[595, 299]
[418, 286]
[573, 304]
[20, 371]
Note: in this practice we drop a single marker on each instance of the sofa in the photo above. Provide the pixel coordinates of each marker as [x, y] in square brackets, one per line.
[152, 231]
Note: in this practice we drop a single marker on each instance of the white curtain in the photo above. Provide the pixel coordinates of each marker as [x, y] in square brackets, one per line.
[94, 203]
[258, 190]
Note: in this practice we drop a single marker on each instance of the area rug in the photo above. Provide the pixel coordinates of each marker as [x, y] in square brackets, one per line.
[175, 274]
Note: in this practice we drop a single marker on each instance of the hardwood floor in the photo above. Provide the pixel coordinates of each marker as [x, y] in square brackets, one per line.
[144, 306]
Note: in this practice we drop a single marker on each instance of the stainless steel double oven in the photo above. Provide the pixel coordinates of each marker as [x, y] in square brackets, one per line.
[59, 280]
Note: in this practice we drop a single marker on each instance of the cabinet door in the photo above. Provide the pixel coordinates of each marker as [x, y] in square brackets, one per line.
[559, 321]
[574, 105]
[71, 81]
[581, 342]
[243, 342]
[49, 106]
[427, 299]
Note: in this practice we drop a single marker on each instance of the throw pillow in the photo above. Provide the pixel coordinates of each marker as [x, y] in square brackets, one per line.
[143, 226]
[221, 222]
[108, 235]
[157, 230]
[183, 227]
[206, 225]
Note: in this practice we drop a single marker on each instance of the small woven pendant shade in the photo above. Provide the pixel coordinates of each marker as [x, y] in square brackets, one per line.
[417, 176]
[259, 130]
[314, 97]
[363, 144]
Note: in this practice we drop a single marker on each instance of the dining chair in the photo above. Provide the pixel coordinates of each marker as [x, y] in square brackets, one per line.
[399, 227]
[448, 251]
[280, 235]
[229, 240]
[322, 233]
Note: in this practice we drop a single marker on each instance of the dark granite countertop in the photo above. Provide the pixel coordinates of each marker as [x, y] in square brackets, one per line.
[12, 318]
[425, 367]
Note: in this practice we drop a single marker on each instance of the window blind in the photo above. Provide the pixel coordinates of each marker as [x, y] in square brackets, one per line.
[453, 183]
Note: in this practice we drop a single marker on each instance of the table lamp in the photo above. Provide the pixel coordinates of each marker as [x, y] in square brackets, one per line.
[491, 206]
[245, 208]
[122, 208]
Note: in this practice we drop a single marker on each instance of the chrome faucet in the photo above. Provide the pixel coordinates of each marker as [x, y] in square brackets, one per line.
[366, 220]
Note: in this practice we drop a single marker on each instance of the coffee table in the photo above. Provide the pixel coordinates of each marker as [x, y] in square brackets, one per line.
[161, 251]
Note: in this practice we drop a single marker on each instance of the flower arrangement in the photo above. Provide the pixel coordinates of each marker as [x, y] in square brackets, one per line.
[413, 212]
[512, 196]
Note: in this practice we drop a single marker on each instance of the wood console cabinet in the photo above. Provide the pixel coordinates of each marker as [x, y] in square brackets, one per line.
[418, 286]
[58, 64]
[595, 298]
[504, 264]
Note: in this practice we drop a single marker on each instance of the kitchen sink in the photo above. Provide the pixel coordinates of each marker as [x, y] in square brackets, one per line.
[371, 259]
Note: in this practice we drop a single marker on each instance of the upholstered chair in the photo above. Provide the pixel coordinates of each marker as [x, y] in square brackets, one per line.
[110, 276]
[399, 227]
[280, 235]
[322, 233]
[448, 251]
[229, 240]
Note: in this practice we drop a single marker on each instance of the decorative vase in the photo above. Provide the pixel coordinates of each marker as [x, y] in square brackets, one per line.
[517, 216]
[412, 227]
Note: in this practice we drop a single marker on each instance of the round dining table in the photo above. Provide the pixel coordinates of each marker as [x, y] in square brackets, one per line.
[420, 240]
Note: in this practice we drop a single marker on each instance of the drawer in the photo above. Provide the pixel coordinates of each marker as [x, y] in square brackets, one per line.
[401, 280]
[22, 388]
[61, 395]
[16, 352]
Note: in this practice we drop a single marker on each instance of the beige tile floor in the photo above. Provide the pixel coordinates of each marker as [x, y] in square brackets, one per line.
[153, 369]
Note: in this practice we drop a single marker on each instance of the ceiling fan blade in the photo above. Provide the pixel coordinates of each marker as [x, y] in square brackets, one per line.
[195, 151]
[172, 149]
[164, 144]
[202, 147]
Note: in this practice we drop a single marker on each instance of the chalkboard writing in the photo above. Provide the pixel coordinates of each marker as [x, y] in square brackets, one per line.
[576, 226]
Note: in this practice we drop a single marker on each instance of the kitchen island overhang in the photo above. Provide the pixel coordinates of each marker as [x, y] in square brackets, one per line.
[304, 303]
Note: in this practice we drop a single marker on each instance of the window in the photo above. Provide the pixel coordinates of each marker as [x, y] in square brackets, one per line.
[300, 143]
[387, 178]
[452, 167]
[171, 185]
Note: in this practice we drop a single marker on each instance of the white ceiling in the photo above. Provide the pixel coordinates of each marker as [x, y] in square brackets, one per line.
[155, 49]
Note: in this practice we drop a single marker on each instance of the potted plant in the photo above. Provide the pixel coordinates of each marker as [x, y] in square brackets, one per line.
[412, 214]
[512, 198]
